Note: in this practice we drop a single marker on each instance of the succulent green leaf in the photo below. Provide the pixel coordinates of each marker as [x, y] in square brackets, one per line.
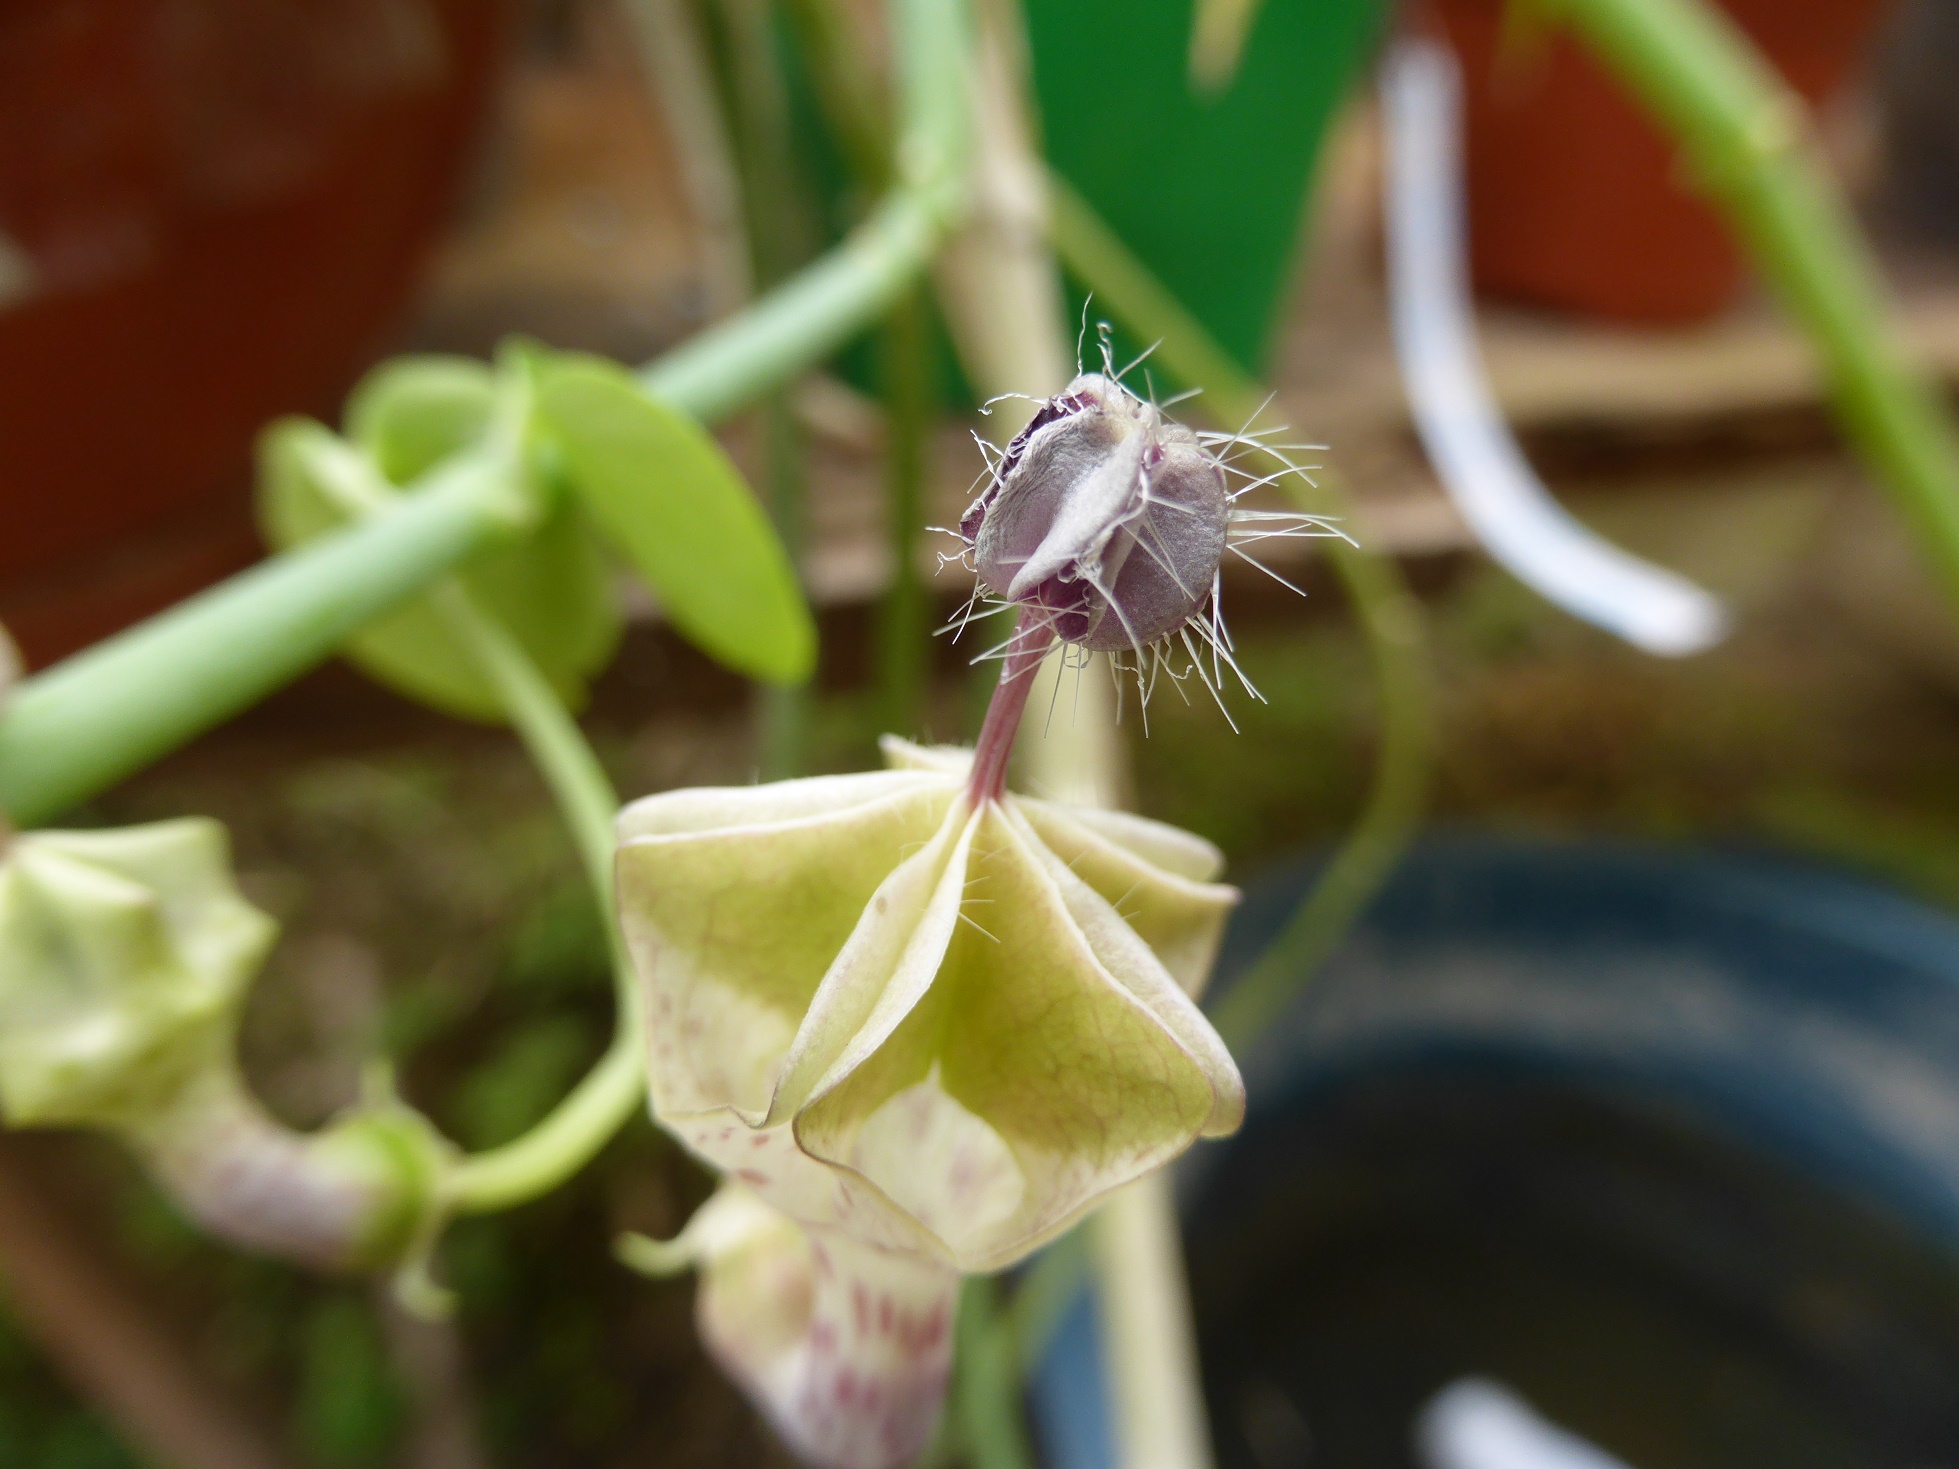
[551, 590]
[665, 495]
[411, 413]
[124, 957]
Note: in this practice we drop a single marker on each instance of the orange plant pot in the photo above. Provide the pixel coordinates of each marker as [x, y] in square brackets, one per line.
[211, 213]
[1576, 201]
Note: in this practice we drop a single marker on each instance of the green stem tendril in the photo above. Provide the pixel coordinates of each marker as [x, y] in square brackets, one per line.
[579, 1126]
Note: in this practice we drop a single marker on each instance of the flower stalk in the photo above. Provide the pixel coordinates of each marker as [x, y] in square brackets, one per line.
[572, 1133]
[1020, 664]
[346, 1198]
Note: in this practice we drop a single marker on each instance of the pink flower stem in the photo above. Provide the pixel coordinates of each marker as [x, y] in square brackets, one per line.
[1028, 647]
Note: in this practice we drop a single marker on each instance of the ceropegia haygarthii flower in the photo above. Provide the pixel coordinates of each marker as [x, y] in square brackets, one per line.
[125, 959]
[1106, 523]
[930, 1023]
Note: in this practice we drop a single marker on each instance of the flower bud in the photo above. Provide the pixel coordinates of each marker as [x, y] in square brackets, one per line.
[846, 1349]
[944, 1030]
[1104, 514]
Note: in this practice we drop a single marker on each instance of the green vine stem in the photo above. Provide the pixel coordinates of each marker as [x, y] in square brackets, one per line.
[827, 303]
[1390, 617]
[579, 1126]
[1743, 132]
[86, 723]
[105, 713]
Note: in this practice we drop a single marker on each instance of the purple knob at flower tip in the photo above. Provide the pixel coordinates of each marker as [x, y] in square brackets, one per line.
[1107, 515]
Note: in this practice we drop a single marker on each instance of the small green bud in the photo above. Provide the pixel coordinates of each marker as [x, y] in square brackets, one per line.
[124, 957]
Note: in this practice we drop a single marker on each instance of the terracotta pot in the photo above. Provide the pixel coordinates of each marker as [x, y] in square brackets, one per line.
[1576, 201]
[211, 213]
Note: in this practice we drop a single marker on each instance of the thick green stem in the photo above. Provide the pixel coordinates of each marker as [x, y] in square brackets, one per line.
[1147, 1334]
[1391, 621]
[104, 713]
[1743, 133]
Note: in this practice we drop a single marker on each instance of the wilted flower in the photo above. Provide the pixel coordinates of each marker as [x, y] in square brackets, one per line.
[125, 958]
[930, 1024]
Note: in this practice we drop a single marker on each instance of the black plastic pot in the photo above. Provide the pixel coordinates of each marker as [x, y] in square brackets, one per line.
[1666, 1142]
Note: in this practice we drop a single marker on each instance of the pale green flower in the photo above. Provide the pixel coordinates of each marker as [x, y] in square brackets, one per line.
[921, 1033]
[943, 1028]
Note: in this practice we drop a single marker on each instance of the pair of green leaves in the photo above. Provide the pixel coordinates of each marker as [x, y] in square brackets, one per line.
[607, 469]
